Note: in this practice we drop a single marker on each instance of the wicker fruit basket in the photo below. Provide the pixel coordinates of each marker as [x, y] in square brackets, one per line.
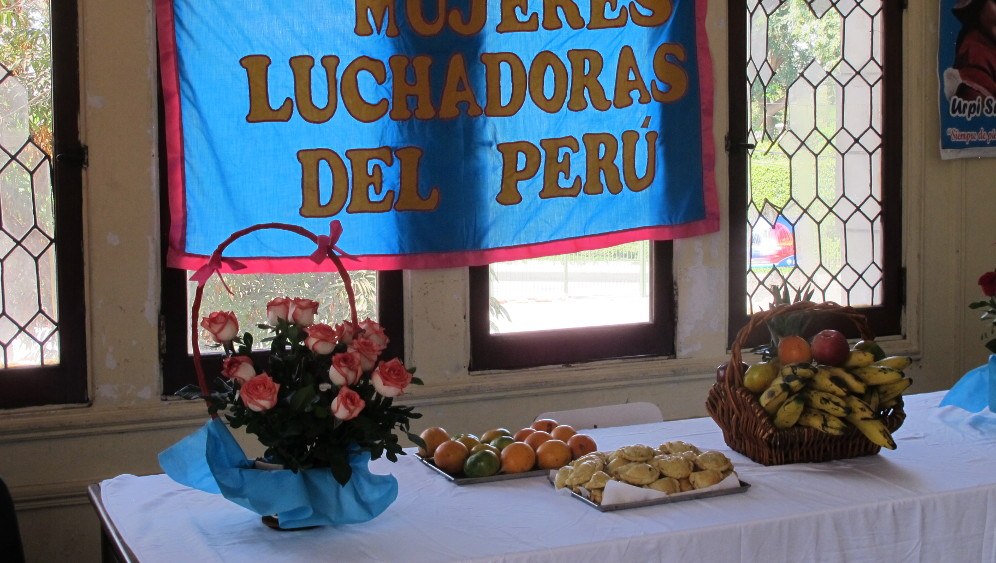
[748, 429]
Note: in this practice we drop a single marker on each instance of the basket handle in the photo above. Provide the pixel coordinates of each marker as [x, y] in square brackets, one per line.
[326, 250]
[734, 370]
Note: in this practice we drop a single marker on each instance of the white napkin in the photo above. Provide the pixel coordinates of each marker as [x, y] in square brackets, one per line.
[617, 492]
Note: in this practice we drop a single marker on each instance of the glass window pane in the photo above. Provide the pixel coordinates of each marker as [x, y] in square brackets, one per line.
[251, 293]
[815, 189]
[591, 288]
[29, 316]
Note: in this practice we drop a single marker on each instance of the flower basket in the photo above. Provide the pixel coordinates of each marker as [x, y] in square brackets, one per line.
[323, 407]
[748, 429]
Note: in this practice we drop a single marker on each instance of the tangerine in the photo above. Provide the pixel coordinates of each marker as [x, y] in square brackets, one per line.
[536, 438]
[563, 432]
[432, 436]
[544, 424]
[581, 444]
[553, 454]
[450, 456]
[517, 457]
[794, 349]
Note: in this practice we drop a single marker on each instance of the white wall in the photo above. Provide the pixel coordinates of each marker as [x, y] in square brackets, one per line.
[49, 456]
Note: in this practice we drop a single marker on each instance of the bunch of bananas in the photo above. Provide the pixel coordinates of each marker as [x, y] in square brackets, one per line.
[829, 398]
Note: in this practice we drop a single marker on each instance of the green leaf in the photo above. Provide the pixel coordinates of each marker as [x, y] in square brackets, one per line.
[416, 439]
[339, 464]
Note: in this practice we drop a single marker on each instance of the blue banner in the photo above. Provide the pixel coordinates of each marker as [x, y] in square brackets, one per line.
[439, 133]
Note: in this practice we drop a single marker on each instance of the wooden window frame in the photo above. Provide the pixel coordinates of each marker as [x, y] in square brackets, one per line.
[884, 319]
[575, 345]
[65, 382]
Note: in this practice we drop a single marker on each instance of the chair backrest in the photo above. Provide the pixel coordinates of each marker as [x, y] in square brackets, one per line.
[607, 415]
[10, 535]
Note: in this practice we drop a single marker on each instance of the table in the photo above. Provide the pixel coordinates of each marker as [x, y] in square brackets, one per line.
[932, 499]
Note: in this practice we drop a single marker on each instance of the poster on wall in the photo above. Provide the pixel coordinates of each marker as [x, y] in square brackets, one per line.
[438, 134]
[967, 75]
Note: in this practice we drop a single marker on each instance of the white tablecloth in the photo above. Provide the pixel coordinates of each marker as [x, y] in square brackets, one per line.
[931, 500]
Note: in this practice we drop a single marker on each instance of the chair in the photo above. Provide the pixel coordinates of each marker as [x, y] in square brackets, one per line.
[607, 415]
[11, 548]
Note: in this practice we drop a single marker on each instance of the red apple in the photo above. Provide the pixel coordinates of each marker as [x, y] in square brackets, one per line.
[830, 348]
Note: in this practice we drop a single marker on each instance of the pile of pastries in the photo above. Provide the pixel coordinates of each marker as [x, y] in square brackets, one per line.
[672, 467]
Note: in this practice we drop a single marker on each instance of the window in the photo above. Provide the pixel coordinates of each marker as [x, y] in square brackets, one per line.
[815, 155]
[630, 285]
[42, 341]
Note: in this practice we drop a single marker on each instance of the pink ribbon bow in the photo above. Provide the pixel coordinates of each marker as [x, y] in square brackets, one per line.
[328, 243]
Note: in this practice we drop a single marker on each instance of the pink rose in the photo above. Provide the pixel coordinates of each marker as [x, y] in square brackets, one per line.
[303, 311]
[223, 326]
[367, 350]
[259, 393]
[988, 283]
[238, 368]
[347, 404]
[346, 369]
[390, 379]
[278, 309]
[346, 331]
[321, 339]
[375, 333]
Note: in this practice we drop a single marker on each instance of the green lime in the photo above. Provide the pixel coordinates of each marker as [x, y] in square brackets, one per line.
[490, 435]
[501, 441]
[484, 463]
[469, 440]
[870, 346]
[482, 446]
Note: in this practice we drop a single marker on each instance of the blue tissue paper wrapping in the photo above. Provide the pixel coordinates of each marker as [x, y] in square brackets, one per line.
[212, 461]
[976, 390]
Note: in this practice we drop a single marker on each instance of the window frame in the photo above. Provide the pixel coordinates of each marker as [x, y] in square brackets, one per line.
[65, 382]
[575, 345]
[884, 319]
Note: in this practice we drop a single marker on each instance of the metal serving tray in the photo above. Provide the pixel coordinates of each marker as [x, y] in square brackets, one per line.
[458, 480]
[664, 500]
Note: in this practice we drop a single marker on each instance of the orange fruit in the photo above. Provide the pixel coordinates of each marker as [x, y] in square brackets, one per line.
[581, 444]
[553, 454]
[563, 432]
[793, 350]
[544, 424]
[521, 435]
[450, 456]
[536, 438]
[517, 457]
[432, 436]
